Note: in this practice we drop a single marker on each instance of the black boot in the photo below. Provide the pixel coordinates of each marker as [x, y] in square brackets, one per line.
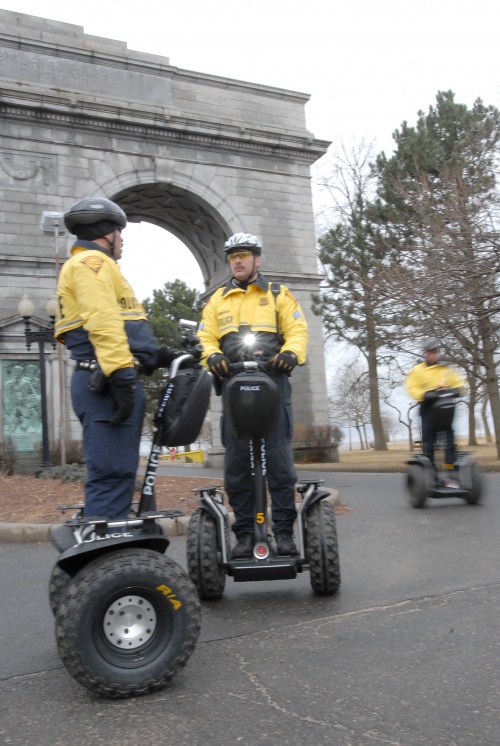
[244, 547]
[285, 544]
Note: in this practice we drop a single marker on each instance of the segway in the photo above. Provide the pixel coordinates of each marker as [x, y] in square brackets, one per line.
[128, 617]
[422, 481]
[251, 404]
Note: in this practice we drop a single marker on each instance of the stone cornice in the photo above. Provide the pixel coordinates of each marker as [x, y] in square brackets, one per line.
[146, 63]
[148, 125]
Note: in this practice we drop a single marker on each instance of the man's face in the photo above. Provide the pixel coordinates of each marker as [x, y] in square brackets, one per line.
[118, 247]
[243, 264]
[431, 356]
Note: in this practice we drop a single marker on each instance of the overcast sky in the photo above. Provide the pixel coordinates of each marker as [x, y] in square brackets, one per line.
[367, 64]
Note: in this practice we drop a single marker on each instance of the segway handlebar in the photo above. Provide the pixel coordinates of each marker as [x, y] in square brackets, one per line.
[185, 360]
[249, 365]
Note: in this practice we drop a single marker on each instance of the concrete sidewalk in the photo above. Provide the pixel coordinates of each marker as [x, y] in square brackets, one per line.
[39, 532]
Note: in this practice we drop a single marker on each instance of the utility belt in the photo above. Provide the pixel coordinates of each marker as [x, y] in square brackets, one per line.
[94, 365]
[98, 382]
[87, 365]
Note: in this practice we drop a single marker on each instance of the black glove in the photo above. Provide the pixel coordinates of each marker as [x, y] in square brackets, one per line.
[431, 395]
[284, 362]
[218, 365]
[123, 392]
[166, 356]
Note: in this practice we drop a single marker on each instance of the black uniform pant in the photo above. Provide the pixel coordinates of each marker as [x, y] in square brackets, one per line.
[281, 474]
[111, 451]
[429, 434]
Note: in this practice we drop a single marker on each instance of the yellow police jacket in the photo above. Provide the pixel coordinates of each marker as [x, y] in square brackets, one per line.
[423, 378]
[256, 307]
[95, 303]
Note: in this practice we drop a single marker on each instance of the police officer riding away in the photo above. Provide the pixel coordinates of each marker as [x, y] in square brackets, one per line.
[272, 314]
[108, 335]
[424, 383]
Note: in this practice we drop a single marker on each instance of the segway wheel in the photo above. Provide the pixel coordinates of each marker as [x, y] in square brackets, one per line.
[58, 582]
[127, 623]
[321, 547]
[203, 556]
[416, 488]
[475, 494]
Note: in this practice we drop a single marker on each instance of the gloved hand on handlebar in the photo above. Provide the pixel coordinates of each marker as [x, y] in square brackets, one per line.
[166, 356]
[284, 362]
[218, 365]
[431, 395]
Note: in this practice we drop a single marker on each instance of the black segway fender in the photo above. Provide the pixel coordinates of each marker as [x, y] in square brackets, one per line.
[421, 460]
[464, 463]
[94, 545]
[209, 501]
[311, 495]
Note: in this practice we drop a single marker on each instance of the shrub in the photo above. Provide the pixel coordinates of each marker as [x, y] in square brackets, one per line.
[74, 453]
[8, 457]
[74, 473]
[317, 443]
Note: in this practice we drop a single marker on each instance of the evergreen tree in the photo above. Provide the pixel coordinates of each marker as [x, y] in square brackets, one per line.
[438, 209]
[171, 303]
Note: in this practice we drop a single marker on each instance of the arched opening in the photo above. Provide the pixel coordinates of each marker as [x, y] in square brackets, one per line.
[188, 218]
[152, 256]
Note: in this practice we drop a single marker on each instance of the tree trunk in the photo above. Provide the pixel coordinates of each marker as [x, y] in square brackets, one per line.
[472, 410]
[367, 444]
[379, 443]
[362, 445]
[484, 415]
[491, 377]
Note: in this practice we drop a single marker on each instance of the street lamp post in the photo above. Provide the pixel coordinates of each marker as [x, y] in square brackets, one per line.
[40, 336]
[52, 224]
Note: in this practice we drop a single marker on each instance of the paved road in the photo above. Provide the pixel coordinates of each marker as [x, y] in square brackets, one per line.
[407, 653]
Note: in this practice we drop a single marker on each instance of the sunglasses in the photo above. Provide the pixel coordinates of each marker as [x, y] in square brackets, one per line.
[239, 255]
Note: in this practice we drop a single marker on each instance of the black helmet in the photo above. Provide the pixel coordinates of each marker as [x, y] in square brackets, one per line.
[243, 241]
[431, 344]
[92, 210]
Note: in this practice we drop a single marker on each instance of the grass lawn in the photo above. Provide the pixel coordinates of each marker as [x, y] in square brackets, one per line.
[395, 458]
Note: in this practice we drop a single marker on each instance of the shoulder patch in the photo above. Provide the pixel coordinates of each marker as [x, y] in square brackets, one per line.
[93, 262]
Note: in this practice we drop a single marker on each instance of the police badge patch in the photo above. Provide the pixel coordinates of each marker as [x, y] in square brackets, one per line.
[93, 262]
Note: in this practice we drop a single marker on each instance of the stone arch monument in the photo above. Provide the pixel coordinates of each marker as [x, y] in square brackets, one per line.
[200, 155]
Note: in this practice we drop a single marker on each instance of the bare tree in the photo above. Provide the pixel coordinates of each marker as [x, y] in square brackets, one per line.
[350, 401]
[353, 262]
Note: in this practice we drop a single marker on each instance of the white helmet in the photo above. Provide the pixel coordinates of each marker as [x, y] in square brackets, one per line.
[243, 241]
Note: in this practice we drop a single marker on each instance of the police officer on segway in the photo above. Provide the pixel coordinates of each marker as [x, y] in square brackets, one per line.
[273, 315]
[425, 382]
[107, 332]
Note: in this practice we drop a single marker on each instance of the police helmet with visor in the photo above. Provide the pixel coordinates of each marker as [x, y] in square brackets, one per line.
[242, 241]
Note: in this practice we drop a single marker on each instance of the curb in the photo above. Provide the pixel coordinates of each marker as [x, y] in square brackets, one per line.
[24, 533]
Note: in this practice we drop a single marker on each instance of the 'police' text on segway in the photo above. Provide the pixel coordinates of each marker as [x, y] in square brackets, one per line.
[127, 616]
